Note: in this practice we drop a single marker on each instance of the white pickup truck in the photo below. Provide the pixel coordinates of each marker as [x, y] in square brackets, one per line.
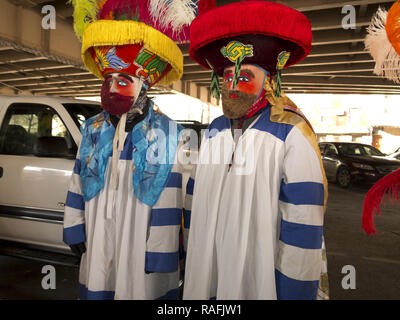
[39, 138]
[38, 143]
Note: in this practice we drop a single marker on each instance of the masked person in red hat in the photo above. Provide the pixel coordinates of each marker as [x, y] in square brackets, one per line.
[124, 206]
[256, 202]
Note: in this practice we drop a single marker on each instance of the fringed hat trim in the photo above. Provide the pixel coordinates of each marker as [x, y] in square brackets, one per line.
[261, 24]
[118, 33]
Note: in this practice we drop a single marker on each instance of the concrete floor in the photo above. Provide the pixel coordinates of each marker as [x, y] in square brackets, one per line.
[376, 259]
[22, 280]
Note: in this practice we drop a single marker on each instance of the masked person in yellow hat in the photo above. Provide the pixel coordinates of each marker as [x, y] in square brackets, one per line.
[124, 206]
[259, 192]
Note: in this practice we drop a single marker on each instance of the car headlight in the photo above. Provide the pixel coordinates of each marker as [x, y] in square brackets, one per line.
[362, 166]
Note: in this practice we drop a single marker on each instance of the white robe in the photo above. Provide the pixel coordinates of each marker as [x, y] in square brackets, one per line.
[255, 228]
[135, 239]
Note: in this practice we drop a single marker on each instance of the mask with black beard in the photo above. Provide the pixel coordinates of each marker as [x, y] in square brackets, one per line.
[235, 103]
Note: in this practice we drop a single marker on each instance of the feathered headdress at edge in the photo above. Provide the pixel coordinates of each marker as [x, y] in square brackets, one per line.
[156, 24]
[389, 184]
[383, 42]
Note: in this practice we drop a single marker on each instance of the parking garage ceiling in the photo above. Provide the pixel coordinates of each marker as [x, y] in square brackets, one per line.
[338, 62]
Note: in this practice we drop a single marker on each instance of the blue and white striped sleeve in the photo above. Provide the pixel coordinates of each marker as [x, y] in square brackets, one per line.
[162, 252]
[74, 212]
[301, 206]
[187, 207]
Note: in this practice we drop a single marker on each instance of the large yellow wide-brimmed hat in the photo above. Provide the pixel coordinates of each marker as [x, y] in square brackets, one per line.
[115, 32]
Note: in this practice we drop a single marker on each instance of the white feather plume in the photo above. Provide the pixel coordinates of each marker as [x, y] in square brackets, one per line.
[387, 61]
[173, 14]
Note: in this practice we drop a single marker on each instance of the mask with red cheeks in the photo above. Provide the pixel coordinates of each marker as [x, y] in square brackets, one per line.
[237, 101]
[119, 92]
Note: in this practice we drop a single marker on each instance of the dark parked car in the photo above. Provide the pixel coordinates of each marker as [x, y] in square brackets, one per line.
[345, 162]
[395, 154]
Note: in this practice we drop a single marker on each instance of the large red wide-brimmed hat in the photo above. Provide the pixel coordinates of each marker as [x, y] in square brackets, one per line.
[258, 31]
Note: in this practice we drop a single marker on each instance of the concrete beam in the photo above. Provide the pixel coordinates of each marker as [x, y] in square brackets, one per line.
[46, 86]
[342, 88]
[24, 26]
[27, 66]
[33, 82]
[35, 75]
[336, 50]
[11, 56]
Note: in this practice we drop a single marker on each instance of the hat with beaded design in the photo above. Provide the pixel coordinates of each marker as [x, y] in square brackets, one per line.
[137, 37]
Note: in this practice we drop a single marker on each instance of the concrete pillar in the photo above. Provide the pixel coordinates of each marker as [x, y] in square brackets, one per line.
[192, 90]
[203, 95]
[178, 86]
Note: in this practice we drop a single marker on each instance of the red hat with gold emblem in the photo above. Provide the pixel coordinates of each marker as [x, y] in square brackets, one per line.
[268, 34]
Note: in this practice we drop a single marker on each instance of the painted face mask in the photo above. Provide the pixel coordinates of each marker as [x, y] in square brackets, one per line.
[237, 101]
[119, 92]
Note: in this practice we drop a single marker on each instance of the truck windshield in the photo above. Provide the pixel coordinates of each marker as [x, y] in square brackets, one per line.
[82, 111]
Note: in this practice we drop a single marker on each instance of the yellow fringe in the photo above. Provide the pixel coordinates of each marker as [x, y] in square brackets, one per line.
[278, 114]
[114, 33]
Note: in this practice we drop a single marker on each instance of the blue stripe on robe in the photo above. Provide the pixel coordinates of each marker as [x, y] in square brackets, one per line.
[302, 193]
[278, 130]
[165, 217]
[74, 235]
[190, 186]
[162, 261]
[291, 289]
[186, 218]
[85, 294]
[301, 235]
[126, 153]
[77, 166]
[217, 125]
[174, 180]
[75, 200]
